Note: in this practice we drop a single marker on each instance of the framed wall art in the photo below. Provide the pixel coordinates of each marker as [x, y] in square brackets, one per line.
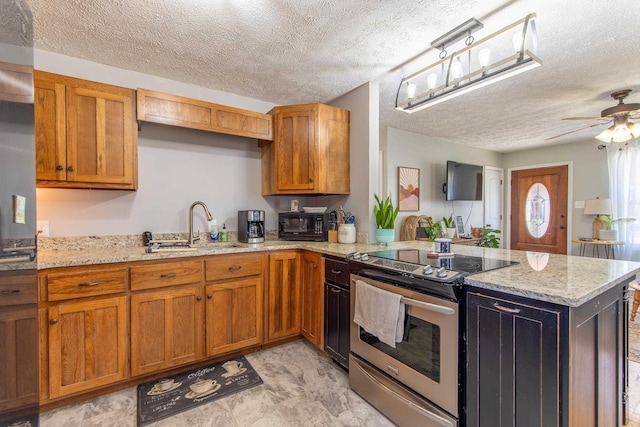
[408, 188]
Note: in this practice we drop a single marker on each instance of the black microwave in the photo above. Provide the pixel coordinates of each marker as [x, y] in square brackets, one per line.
[303, 226]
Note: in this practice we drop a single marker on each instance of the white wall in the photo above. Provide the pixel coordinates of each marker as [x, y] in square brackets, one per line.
[430, 155]
[363, 103]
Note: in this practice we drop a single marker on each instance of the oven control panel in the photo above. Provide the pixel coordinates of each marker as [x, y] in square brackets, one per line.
[436, 273]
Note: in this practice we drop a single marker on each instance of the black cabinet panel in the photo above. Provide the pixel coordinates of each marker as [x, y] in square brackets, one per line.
[336, 338]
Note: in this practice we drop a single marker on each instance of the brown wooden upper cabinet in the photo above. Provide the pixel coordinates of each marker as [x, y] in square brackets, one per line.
[86, 135]
[309, 153]
[158, 107]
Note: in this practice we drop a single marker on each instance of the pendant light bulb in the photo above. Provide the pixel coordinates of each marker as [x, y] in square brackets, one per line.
[456, 69]
[411, 90]
[432, 81]
[517, 41]
[484, 57]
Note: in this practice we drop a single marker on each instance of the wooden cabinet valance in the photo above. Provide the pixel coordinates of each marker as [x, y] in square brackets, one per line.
[163, 108]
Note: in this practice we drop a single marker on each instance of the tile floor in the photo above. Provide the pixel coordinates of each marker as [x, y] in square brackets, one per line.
[301, 388]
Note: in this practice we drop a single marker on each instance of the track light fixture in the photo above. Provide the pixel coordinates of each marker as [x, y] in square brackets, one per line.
[462, 72]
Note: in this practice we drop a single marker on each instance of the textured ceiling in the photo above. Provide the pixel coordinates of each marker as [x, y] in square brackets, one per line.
[299, 51]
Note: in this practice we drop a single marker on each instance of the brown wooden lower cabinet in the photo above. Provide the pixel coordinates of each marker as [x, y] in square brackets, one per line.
[166, 328]
[233, 315]
[18, 357]
[313, 298]
[283, 296]
[87, 344]
[540, 364]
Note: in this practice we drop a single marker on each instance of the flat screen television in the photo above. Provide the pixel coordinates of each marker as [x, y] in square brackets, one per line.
[464, 182]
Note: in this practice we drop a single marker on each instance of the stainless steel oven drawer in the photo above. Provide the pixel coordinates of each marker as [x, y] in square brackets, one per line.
[398, 403]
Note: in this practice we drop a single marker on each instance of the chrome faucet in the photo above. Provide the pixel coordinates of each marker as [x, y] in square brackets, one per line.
[193, 239]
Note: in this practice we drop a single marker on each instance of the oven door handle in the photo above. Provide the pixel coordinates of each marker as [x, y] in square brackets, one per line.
[427, 306]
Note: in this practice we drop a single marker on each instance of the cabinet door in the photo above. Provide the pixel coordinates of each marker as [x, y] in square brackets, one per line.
[296, 149]
[100, 138]
[283, 307]
[233, 315]
[513, 364]
[51, 130]
[87, 345]
[166, 329]
[18, 356]
[313, 298]
[337, 320]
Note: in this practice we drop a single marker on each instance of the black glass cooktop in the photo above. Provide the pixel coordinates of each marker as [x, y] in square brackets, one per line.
[462, 263]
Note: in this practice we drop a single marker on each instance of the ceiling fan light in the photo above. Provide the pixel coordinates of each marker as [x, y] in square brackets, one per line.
[606, 136]
[635, 129]
[621, 133]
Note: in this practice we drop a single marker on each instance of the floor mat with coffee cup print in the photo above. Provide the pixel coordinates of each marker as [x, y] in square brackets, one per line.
[168, 396]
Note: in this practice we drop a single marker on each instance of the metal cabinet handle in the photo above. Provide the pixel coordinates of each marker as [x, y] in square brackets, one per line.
[11, 292]
[506, 309]
[336, 290]
[168, 276]
[198, 298]
[310, 179]
[334, 271]
[71, 168]
[209, 296]
[315, 266]
[235, 268]
[59, 168]
[85, 284]
[53, 321]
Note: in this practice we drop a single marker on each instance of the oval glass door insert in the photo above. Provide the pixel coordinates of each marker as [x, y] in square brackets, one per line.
[538, 210]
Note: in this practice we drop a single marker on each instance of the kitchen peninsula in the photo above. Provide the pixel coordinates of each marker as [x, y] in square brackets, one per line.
[580, 296]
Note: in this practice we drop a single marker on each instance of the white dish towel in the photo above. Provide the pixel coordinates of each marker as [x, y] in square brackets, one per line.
[379, 312]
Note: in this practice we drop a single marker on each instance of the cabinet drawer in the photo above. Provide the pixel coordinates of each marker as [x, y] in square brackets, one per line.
[336, 271]
[165, 274]
[18, 288]
[232, 266]
[86, 283]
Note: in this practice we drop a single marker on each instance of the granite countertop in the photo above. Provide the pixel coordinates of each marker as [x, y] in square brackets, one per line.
[561, 279]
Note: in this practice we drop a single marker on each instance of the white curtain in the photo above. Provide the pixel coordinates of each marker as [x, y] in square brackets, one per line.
[624, 192]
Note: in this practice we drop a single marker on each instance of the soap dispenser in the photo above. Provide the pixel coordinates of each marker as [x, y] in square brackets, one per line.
[213, 230]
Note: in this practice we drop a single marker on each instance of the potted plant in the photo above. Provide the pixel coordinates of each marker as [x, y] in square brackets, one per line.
[433, 230]
[450, 226]
[385, 219]
[488, 238]
[608, 233]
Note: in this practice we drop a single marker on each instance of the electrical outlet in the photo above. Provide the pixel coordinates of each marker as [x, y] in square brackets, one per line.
[43, 228]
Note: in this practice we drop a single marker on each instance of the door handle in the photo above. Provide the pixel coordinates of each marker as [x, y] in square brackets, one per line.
[562, 227]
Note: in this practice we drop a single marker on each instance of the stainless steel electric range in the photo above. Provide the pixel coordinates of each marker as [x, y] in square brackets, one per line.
[421, 380]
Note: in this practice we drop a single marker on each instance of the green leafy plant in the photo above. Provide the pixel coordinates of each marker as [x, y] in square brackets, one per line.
[488, 238]
[432, 229]
[609, 222]
[449, 222]
[385, 213]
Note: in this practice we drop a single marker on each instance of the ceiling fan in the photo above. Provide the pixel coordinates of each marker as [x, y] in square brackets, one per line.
[622, 129]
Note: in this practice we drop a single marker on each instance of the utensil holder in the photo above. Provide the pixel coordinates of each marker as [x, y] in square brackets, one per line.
[346, 233]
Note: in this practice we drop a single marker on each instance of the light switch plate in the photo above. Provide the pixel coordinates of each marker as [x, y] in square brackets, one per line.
[43, 228]
[579, 204]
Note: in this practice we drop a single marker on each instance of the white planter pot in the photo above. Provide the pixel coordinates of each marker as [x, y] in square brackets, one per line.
[608, 235]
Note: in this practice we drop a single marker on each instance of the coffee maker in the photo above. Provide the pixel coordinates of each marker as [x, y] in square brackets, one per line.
[251, 226]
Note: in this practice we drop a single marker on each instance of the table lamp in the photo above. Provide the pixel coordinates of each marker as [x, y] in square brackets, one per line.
[597, 207]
